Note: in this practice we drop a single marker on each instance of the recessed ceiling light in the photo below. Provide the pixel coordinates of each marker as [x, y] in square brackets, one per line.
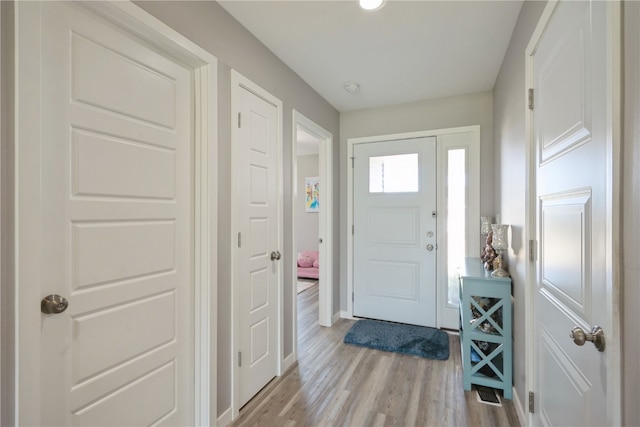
[352, 87]
[371, 4]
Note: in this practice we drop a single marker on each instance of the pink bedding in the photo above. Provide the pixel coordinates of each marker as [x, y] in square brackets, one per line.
[308, 266]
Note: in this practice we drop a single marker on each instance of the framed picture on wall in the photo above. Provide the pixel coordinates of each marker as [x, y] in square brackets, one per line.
[312, 194]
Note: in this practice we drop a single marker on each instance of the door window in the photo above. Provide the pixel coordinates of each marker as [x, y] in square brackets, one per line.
[394, 174]
[456, 220]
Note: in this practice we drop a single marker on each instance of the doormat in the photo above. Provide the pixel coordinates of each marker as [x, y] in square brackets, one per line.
[413, 340]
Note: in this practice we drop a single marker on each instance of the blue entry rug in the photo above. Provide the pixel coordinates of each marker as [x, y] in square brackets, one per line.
[414, 340]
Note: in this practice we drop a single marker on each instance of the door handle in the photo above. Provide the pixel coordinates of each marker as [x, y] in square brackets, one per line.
[53, 304]
[275, 255]
[579, 336]
[429, 247]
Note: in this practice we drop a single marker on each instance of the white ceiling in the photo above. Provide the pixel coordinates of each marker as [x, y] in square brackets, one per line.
[407, 51]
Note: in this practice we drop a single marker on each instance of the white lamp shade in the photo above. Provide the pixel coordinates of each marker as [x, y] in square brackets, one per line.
[500, 236]
[485, 224]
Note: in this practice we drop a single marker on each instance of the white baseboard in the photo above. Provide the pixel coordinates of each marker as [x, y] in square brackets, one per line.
[345, 315]
[335, 317]
[225, 419]
[288, 362]
[519, 408]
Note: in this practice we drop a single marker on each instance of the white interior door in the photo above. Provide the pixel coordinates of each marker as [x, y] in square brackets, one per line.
[395, 231]
[109, 227]
[573, 185]
[258, 257]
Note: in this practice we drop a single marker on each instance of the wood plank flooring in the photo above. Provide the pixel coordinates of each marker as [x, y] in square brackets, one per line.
[334, 384]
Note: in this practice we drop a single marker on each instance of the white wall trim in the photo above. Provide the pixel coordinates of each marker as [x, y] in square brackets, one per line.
[288, 362]
[239, 81]
[519, 408]
[204, 65]
[530, 212]
[614, 181]
[336, 316]
[225, 418]
[325, 234]
[345, 315]
[391, 137]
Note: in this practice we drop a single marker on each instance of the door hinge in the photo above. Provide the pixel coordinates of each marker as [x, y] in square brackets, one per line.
[532, 250]
[530, 98]
[353, 159]
[239, 359]
[353, 298]
[353, 229]
[531, 401]
[239, 240]
[239, 120]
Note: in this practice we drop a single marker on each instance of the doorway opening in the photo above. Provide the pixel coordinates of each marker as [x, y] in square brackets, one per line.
[312, 212]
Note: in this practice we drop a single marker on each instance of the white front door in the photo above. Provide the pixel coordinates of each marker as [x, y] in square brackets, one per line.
[104, 220]
[258, 255]
[395, 231]
[573, 189]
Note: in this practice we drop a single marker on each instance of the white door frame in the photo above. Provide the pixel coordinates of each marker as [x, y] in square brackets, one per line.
[238, 81]
[613, 273]
[473, 226]
[325, 234]
[27, 196]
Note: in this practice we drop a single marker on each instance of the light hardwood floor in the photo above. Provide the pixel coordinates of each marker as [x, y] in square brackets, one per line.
[334, 384]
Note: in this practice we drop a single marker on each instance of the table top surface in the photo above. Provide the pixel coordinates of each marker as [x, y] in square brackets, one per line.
[473, 269]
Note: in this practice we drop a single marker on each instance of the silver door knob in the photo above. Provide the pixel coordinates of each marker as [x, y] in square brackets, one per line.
[275, 255]
[579, 336]
[53, 304]
[429, 247]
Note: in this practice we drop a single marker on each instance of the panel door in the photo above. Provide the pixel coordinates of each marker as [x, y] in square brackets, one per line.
[258, 273]
[395, 231]
[570, 131]
[115, 226]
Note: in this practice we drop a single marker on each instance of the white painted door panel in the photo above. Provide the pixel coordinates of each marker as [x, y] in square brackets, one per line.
[394, 268]
[570, 132]
[116, 226]
[258, 275]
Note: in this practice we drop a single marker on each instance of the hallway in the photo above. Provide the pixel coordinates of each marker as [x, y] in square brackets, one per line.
[335, 384]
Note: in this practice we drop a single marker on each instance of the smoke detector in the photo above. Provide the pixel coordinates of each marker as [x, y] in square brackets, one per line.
[352, 87]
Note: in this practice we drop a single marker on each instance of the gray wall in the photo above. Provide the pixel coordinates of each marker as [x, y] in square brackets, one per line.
[630, 228]
[7, 297]
[307, 223]
[211, 27]
[511, 164]
[457, 111]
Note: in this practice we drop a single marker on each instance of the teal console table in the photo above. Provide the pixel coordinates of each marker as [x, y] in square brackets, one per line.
[485, 328]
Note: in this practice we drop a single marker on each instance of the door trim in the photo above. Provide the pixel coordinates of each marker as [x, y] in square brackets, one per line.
[239, 81]
[325, 299]
[27, 195]
[613, 274]
[474, 194]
